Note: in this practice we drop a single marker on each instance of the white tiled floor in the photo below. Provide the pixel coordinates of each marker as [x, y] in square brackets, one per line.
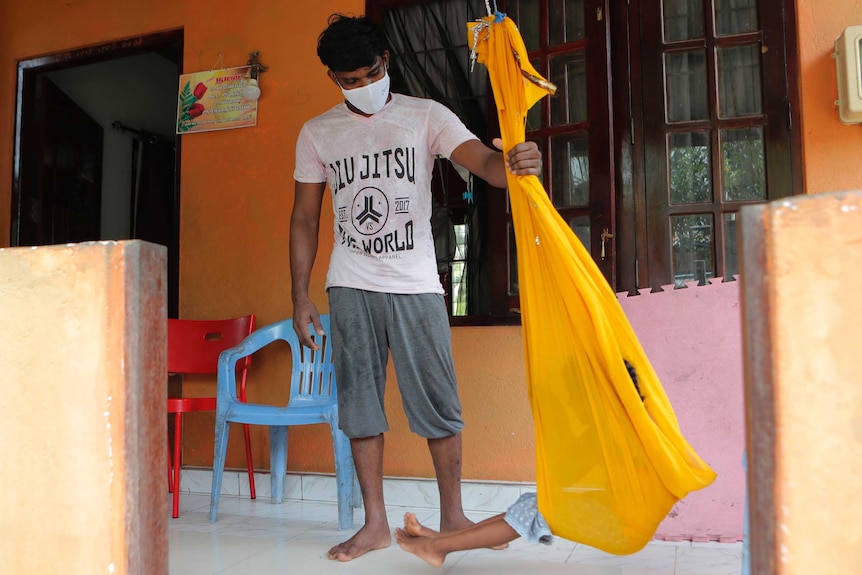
[258, 538]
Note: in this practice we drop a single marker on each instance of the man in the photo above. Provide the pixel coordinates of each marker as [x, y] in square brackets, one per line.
[376, 152]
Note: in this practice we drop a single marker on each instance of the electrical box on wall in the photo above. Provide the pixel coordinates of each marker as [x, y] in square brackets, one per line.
[848, 67]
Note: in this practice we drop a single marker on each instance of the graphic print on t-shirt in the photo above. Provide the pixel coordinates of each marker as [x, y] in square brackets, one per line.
[362, 224]
[393, 152]
[370, 211]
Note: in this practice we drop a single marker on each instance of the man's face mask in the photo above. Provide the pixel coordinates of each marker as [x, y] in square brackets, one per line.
[370, 98]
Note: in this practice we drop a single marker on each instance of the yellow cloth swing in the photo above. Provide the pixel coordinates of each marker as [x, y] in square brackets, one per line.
[609, 465]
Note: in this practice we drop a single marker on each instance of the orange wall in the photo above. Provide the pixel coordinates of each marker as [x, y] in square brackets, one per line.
[237, 195]
[237, 188]
[832, 150]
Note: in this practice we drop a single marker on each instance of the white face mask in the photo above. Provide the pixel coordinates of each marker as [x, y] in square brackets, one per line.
[370, 98]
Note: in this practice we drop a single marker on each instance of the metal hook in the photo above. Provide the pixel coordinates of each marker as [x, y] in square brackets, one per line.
[256, 67]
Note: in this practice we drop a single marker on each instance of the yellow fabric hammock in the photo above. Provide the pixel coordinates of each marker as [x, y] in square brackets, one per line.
[609, 464]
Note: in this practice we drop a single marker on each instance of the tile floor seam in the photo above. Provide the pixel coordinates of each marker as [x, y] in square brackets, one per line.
[460, 557]
[233, 566]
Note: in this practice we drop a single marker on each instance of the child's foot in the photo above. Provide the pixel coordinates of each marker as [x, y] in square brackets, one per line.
[416, 529]
[419, 546]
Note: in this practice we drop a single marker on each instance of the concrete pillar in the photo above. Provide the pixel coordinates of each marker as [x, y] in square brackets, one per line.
[802, 317]
[83, 486]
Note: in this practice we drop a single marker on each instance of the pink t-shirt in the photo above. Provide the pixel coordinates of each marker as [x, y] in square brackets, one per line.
[379, 171]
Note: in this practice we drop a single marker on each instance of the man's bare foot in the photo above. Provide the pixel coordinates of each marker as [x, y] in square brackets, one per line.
[416, 529]
[366, 539]
[419, 546]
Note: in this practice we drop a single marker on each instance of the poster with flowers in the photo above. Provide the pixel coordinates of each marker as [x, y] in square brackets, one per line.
[214, 100]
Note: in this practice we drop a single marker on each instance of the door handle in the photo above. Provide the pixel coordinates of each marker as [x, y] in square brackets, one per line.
[606, 235]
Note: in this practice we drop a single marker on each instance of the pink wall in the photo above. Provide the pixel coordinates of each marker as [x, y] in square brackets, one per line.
[693, 338]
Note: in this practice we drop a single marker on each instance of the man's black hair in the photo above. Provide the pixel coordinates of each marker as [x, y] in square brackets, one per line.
[349, 43]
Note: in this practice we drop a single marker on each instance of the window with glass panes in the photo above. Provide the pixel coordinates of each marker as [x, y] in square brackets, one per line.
[430, 58]
[670, 116]
[716, 134]
[566, 40]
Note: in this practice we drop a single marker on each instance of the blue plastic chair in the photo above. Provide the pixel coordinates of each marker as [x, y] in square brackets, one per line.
[313, 399]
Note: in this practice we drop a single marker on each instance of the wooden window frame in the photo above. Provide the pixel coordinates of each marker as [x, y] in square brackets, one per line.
[641, 260]
[644, 255]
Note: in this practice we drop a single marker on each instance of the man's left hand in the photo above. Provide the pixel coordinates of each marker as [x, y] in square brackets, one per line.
[523, 159]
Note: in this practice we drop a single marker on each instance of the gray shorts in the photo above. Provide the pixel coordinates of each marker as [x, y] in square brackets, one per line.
[365, 326]
[524, 517]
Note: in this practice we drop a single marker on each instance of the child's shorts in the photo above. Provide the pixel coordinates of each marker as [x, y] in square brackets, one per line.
[524, 517]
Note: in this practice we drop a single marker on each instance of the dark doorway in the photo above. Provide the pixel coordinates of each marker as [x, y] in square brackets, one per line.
[96, 157]
[65, 170]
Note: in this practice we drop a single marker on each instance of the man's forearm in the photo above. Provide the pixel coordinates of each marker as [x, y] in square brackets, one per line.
[303, 249]
[496, 170]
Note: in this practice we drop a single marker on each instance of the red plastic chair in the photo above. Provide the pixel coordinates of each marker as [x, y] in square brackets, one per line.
[194, 347]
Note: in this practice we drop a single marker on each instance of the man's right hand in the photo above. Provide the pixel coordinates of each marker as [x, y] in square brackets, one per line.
[304, 313]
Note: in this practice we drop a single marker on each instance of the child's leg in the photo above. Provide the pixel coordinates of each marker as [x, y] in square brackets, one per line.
[416, 529]
[491, 532]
